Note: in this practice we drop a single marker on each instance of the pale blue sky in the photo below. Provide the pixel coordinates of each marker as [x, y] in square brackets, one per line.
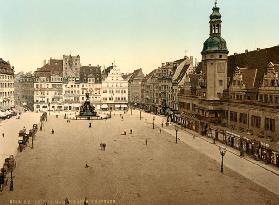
[136, 33]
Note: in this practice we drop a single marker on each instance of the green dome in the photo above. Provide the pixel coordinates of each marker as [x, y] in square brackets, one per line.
[215, 44]
[215, 14]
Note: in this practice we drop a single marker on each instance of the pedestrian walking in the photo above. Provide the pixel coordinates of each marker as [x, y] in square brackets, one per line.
[52, 131]
[86, 165]
[131, 131]
[86, 201]
[3, 135]
[67, 201]
[145, 142]
[1, 181]
[160, 131]
[90, 124]
[162, 124]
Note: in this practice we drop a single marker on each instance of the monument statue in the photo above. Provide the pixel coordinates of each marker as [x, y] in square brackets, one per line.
[87, 110]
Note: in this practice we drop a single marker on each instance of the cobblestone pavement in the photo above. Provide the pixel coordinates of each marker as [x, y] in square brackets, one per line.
[128, 171]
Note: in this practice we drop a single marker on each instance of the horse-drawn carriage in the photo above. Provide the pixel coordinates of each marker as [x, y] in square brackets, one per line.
[23, 138]
[9, 164]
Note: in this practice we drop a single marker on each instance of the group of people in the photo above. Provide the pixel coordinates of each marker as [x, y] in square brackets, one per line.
[67, 201]
[103, 146]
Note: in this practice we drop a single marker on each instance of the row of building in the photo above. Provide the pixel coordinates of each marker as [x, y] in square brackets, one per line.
[61, 84]
[234, 99]
[231, 98]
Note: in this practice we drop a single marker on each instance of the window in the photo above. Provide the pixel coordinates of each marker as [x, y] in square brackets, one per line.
[188, 106]
[220, 56]
[220, 82]
[269, 124]
[104, 91]
[233, 116]
[272, 83]
[256, 121]
[243, 118]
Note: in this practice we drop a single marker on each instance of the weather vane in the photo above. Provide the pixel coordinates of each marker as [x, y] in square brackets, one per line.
[215, 3]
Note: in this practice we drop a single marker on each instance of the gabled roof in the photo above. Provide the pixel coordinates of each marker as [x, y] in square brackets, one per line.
[90, 72]
[149, 75]
[135, 74]
[5, 67]
[254, 59]
[276, 67]
[181, 70]
[249, 77]
[55, 67]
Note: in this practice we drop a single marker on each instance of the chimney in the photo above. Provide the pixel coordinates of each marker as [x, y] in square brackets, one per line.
[89, 64]
[235, 53]
[246, 51]
[196, 62]
[258, 49]
[44, 62]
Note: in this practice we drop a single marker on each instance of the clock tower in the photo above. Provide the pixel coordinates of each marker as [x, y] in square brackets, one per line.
[215, 58]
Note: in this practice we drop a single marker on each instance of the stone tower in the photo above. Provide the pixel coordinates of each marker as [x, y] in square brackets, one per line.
[214, 58]
[71, 66]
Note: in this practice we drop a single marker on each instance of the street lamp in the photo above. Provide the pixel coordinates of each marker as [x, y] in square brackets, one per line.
[153, 121]
[140, 114]
[49, 108]
[222, 152]
[12, 182]
[131, 110]
[176, 130]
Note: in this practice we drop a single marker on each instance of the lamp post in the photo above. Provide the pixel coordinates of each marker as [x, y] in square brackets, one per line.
[32, 140]
[131, 110]
[153, 121]
[176, 130]
[49, 108]
[140, 114]
[222, 152]
[12, 182]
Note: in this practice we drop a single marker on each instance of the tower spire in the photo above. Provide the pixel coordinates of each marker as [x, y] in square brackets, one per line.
[215, 3]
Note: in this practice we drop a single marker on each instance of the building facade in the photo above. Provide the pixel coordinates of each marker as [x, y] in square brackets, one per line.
[234, 99]
[134, 84]
[24, 90]
[6, 85]
[114, 94]
[48, 90]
